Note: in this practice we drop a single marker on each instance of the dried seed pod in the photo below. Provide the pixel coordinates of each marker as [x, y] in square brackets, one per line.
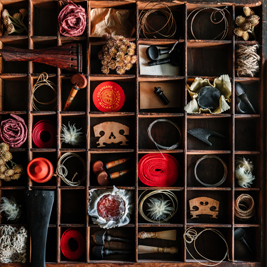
[240, 20]
[17, 16]
[133, 59]
[126, 41]
[112, 64]
[5, 16]
[246, 26]
[17, 168]
[248, 11]
[105, 69]
[7, 156]
[110, 43]
[104, 62]
[120, 63]
[2, 162]
[4, 147]
[118, 44]
[123, 49]
[120, 56]
[100, 55]
[128, 66]
[245, 36]
[23, 12]
[105, 48]
[254, 20]
[130, 51]
[2, 176]
[238, 32]
[9, 172]
[16, 176]
[7, 178]
[3, 168]
[10, 29]
[120, 70]
[127, 59]
[113, 55]
[113, 51]
[121, 38]
[132, 45]
[107, 56]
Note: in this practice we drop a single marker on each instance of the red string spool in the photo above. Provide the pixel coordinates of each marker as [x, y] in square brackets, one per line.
[65, 246]
[161, 170]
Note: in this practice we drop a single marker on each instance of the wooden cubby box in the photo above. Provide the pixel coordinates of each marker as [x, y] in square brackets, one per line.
[154, 257]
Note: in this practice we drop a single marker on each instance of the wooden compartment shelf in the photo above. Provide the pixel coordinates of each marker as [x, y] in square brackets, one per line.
[203, 57]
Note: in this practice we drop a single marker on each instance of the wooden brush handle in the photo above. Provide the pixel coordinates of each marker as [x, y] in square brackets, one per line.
[118, 174]
[117, 162]
[73, 92]
[167, 235]
[150, 249]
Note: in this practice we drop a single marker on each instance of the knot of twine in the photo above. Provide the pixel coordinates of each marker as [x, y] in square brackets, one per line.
[247, 63]
[72, 20]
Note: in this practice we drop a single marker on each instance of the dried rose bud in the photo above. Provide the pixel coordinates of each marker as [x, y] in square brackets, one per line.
[126, 42]
[2, 162]
[9, 172]
[16, 176]
[7, 178]
[245, 36]
[123, 49]
[104, 62]
[113, 51]
[120, 63]
[132, 45]
[133, 59]
[254, 20]
[107, 56]
[3, 168]
[112, 64]
[120, 56]
[128, 66]
[2, 176]
[238, 32]
[4, 147]
[7, 156]
[17, 168]
[110, 43]
[246, 26]
[248, 11]
[127, 59]
[120, 70]
[118, 44]
[239, 20]
[121, 38]
[105, 69]
[105, 48]
[130, 51]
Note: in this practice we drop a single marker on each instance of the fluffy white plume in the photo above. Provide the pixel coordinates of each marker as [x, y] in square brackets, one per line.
[159, 209]
[11, 208]
[71, 135]
[243, 172]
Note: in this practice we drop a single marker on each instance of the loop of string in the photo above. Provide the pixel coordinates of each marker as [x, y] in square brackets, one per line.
[62, 170]
[43, 81]
[190, 236]
[224, 19]
[244, 207]
[158, 146]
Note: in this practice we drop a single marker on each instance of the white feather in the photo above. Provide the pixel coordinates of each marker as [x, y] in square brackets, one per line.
[11, 208]
[71, 135]
[159, 209]
[243, 172]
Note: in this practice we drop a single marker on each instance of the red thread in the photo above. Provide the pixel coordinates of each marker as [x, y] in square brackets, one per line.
[44, 127]
[72, 20]
[13, 131]
[157, 169]
[64, 244]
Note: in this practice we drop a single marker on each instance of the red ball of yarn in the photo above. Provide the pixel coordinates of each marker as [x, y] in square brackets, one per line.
[161, 170]
[72, 20]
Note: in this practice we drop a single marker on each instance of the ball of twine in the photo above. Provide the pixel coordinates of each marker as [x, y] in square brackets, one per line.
[244, 207]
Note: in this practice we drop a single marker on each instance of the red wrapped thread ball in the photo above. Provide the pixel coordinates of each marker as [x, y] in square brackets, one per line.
[161, 170]
[72, 20]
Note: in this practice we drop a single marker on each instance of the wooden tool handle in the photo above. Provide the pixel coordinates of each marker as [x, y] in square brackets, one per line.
[118, 174]
[117, 162]
[150, 249]
[71, 96]
[167, 235]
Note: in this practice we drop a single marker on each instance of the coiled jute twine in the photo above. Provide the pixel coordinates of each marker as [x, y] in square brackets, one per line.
[43, 81]
[172, 197]
[244, 207]
[62, 170]
[148, 30]
[191, 236]
[224, 174]
[216, 10]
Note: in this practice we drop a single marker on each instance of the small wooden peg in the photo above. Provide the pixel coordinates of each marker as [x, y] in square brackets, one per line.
[150, 249]
[79, 81]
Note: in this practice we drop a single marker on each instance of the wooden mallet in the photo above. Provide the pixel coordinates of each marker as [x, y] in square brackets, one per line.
[79, 81]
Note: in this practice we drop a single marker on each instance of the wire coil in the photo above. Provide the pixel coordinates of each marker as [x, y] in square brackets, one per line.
[244, 207]
[43, 81]
[62, 171]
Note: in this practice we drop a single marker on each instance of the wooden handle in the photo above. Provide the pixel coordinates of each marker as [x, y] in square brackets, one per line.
[150, 249]
[118, 174]
[167, 235]
[117, 162]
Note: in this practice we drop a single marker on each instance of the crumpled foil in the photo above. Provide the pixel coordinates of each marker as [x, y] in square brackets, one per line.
[223, 84]
[111, 21]
[96, 194]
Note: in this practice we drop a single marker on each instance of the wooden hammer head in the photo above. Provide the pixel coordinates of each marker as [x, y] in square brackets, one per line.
[79, 80]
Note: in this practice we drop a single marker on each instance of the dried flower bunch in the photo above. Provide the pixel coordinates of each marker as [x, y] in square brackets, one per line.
[118, 53]
[14, 24]
[245, 25]
[8, 173]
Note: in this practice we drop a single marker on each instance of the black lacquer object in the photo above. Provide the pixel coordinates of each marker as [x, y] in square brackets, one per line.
[39, 205]
[208, 97]
[161, 95]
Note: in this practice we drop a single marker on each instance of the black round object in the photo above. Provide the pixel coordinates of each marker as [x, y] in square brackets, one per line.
[152, 52]
[208, 97]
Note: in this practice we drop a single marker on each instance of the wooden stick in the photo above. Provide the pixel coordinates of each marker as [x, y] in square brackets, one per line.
[167, 235]
[150, 249]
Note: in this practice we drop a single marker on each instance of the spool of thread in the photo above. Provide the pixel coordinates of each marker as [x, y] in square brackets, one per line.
[40, 170]
[157, 169]
[65, 244]
[44, 134]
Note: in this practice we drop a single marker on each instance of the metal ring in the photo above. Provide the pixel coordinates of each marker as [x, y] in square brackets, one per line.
[224, 175]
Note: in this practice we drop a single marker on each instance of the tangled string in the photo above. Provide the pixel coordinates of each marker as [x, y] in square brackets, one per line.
[72, 20]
